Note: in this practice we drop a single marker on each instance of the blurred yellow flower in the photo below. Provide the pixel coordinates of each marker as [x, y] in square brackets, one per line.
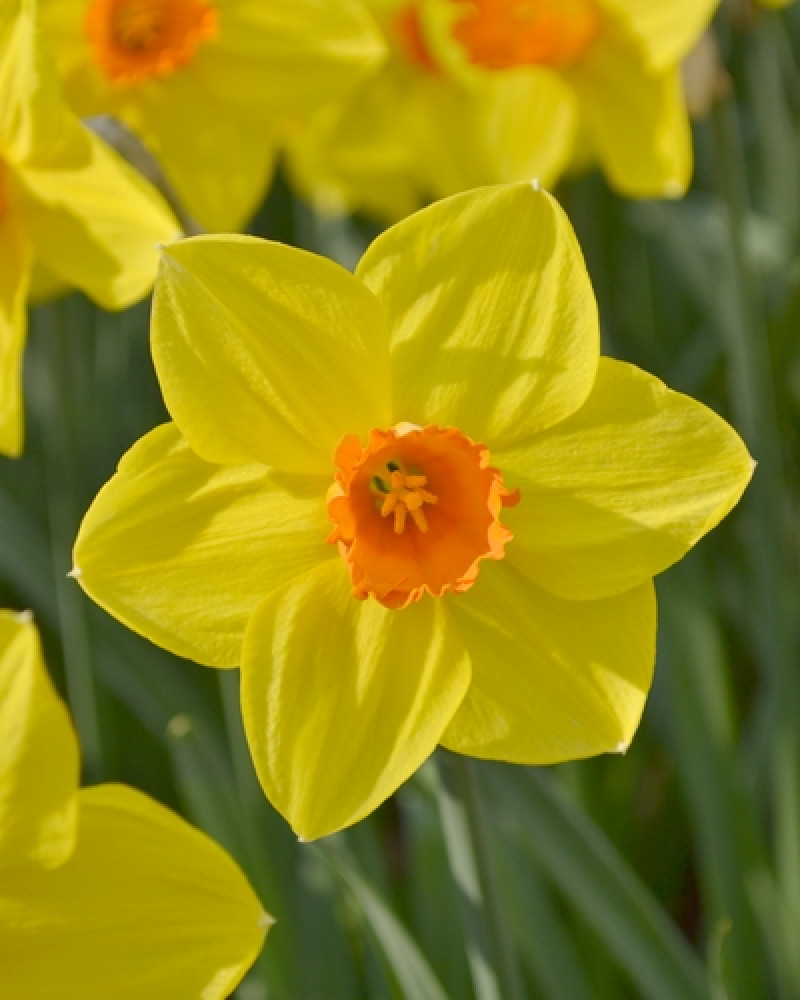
[506, 605]
[204, 82]
[104, 893]
[487, 91]
[66, 201]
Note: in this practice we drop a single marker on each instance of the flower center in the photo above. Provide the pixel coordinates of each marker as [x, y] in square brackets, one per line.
[407, 32]
[403, 494]
[415, 510]
[499, 34]
[134, 40]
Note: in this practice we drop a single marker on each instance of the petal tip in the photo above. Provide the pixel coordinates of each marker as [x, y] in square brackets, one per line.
[23, 617]
[168, 255]
[75, 573]
[165, 257]
[673, 188]
[265, 921]
[622, 747]
[162, 246]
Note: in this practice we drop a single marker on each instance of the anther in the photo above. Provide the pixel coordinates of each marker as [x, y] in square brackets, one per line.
[406, 496]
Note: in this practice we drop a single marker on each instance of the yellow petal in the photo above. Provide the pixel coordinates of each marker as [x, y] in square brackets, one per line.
[182, 551]
[489, 126]
[38, 757]
[288, 345]
[94, 222]
[666, 29]
[552, 680]
[88, 90]
[211, 124]
[636, 119]
[520, 124]
[147, 907]
[355, 157]
[219, 163]
[278, 58]
[32, 113]
[344, 699]
[405, 135]
[371, 152]
[621, 489]
[15, 267]
[493, 322]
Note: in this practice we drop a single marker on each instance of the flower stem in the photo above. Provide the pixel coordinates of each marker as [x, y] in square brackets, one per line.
[490, 944]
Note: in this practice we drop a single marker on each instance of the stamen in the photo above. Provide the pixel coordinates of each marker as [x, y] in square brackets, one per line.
[405, 495]
[400, 512]
[419, 519]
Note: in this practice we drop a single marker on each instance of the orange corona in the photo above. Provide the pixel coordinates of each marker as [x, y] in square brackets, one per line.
[499, 34]
[415, 511]
[135, 40]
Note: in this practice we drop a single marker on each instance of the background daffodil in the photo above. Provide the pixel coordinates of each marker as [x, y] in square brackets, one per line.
[204, 82]
[104, 894]
[498, 493]
[486, 91]
[66, 201]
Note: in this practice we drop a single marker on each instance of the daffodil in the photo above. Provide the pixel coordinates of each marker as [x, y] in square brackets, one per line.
[204, 83]
[413, 503]
[66, 201]
[104, 893]
[487, 91]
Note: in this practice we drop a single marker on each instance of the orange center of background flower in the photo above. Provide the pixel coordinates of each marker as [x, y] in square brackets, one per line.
[415, 511]
[134, 40]
[499, 34]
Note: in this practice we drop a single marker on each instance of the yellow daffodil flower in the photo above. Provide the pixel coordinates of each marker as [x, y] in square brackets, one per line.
[203, 82]
[66, 201]
[487, 91]
[413, 503]
[104, 893]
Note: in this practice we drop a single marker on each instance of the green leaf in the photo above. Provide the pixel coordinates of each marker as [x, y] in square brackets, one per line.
[407, 966]
[587, 868]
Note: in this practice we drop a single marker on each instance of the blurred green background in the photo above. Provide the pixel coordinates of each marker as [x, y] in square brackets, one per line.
[672, 873]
